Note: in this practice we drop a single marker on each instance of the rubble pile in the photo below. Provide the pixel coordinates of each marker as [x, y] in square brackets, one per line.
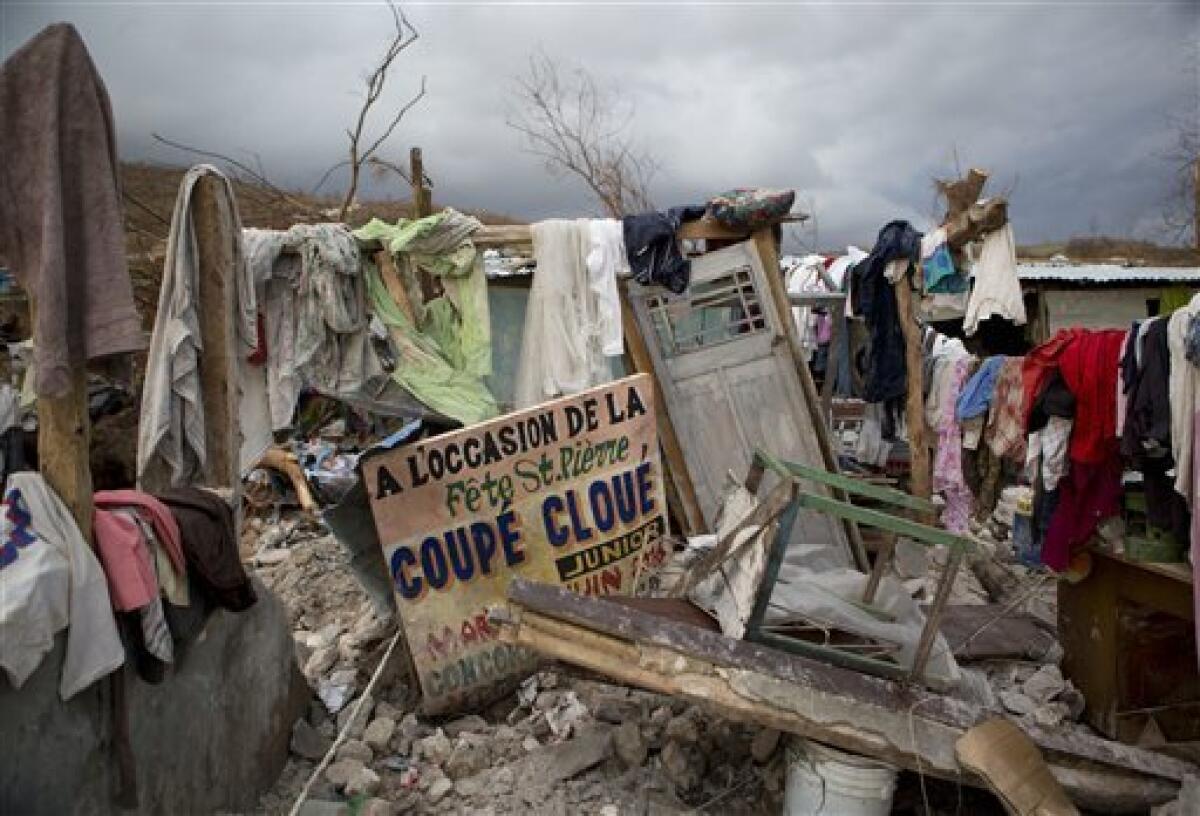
[562, 743]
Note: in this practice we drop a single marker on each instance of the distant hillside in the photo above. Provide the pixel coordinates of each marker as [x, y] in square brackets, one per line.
[1102, 249]
[150, 191]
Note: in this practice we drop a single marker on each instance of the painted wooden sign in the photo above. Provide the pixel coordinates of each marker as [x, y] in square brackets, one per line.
[569, 492]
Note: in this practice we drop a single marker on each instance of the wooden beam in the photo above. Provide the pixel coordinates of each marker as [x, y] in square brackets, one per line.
[921, 468]
[422, 198]
[216, 307]
[764, 242]
[64, 443]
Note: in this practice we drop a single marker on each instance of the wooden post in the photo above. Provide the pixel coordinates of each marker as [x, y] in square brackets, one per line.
[933, 621]
[422, 199]
[64, 443]
[1196, 203]
[920, 477]
[217, 299]
[764, 242]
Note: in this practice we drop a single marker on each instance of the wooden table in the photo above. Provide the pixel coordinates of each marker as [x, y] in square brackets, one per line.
[1128, 633]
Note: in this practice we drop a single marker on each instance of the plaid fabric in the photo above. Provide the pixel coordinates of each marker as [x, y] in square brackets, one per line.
[1005, 433]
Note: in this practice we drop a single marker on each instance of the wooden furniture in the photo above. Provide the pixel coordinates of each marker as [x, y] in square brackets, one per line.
[853, 654]
[1128, 633]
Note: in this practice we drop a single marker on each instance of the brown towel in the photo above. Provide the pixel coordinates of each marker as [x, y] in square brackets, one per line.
[210, 546]
[61, 225]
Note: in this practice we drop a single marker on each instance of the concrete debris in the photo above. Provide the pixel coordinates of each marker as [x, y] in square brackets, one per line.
[378, 735]
[765, 742]
[336, 689]
[307, 742]
[629, 744]
[341, 772]
[355, 749]
[364, 783]
[565, 741]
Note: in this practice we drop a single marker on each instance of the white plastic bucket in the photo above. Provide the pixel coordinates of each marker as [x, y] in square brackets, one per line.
[822, 781]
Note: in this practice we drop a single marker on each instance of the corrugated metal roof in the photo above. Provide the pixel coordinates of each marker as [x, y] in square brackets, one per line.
[1107, 273]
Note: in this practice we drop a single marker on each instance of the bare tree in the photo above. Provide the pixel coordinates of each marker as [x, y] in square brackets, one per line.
[1181, 214]
[578, 127]
[361, 150]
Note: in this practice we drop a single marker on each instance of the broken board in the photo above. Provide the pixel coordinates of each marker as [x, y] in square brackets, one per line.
[569, 492]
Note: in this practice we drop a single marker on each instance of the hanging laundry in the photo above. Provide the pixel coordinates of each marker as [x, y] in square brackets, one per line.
[1041, 362]
[997, 289]
[806, 277]
[937, 266]
[440, 244]
[50, 580]
[947, 464]
[62, 227]
[1005, 434]
[422, 369]
[167, 552]
[1146, 434]
[606, 262]
[171, 431]
[1088, 494]
[876, 302]
[977, 393]
[210, 545]
[1089, 367]
[560, 349]
[653, 249]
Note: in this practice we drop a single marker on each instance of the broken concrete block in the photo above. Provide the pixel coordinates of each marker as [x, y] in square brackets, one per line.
[359, 725]
[683, 765]
[341, 772]
[629, 744]
[435, 748]
[378, 807]
[1045, 684]
[319, 662]
[306, 742]
[682, 729]
[378, 735]
[571, 758]
[438, 790]
[363, 783]
[336, 689]
[472, 722]
[355, 749]
[764, 744]
[1017, 702]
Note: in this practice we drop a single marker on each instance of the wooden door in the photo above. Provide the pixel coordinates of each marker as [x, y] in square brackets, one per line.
[731, 384]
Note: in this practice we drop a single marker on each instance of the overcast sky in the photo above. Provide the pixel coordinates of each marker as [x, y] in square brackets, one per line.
[856, 106]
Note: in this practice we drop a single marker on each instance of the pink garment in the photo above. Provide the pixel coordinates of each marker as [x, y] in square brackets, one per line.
[947, 464]
[152, 510]
[824, 328]
[1122, 400]
[126, 559]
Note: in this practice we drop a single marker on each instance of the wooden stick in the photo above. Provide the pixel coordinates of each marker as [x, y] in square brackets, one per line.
[921, 474]
[933, 622]
[216, 308]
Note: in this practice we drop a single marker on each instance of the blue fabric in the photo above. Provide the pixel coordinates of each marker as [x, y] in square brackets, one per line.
[977, 393]
[940, 275]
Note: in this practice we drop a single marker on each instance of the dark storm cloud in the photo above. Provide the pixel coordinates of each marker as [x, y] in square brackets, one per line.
[857, 107]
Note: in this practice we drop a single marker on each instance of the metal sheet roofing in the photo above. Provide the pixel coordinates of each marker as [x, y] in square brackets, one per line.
[1107, 273]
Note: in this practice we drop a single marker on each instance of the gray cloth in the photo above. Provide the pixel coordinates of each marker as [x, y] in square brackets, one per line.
[311, 288]
[61, 224]
[171, 436]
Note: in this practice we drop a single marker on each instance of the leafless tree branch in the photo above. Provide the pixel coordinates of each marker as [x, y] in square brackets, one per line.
[402, 39]
[240, 168]
[576, 127]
